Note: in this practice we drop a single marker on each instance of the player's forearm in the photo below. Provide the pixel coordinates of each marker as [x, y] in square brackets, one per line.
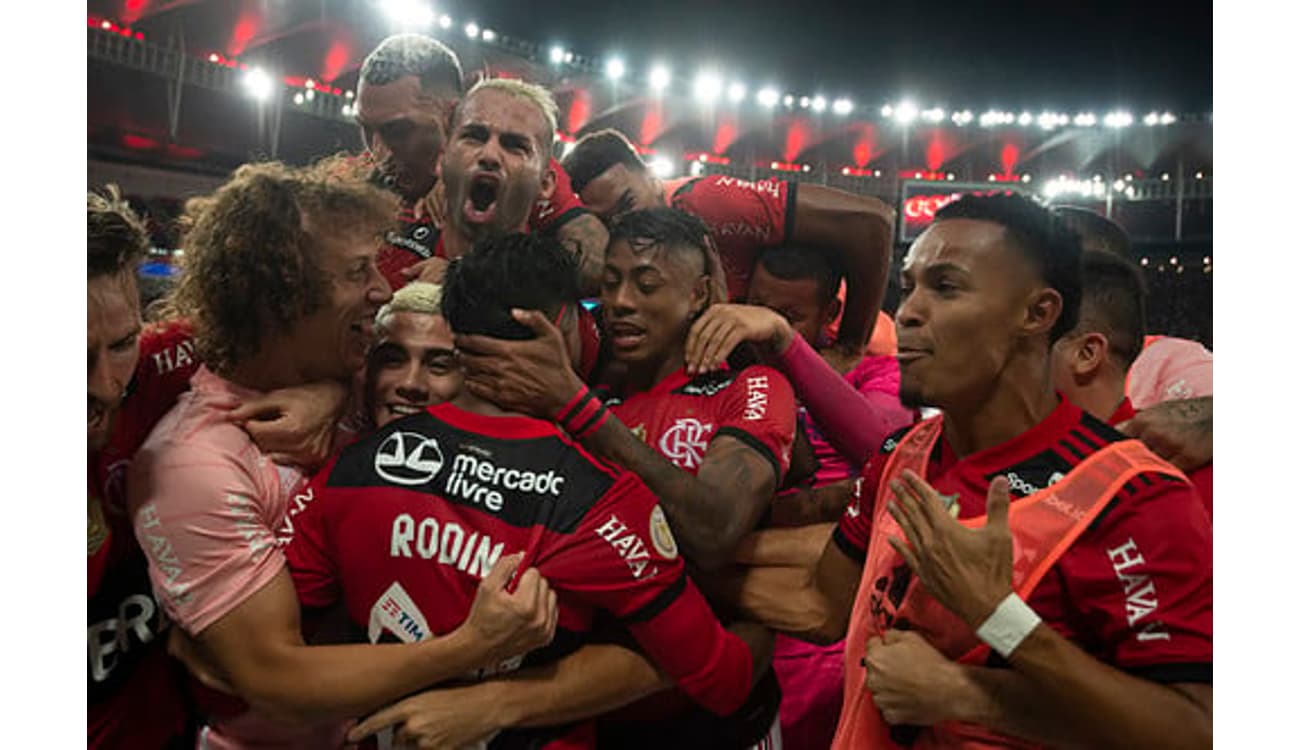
[586, 237]
[699, 515]
[845, 416]
[782, 598]
[593, 680]
[809, 506]
[311, 683]
[1088, 703]
[863, 238]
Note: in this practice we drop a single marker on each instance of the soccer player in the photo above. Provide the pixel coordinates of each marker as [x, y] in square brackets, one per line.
[404, 523]
[409, 86]
[134, 376]
[745, 217]
[413, 363]
[714, 448]
[282, 288]
[1090, 363]
[1101, 621]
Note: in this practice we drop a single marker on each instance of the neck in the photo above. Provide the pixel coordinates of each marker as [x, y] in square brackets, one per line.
[454, 243]
[646, 375]
[475, 405]
[270, 369]
[1101, 397]
[1021, 397]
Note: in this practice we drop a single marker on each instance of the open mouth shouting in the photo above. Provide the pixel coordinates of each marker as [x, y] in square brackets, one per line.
[481, 204]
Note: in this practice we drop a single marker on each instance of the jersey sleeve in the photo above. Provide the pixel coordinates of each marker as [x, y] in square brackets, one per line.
[1168, 370]
[853, 532]
[563, 206]
[759, 410]
[309, 553]
[209, 541]
[1142, 583]
[623, 559]
[167, 361]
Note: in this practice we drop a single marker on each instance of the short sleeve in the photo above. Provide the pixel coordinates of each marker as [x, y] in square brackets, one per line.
[853, 532]
[759, 410]
[563, 206]
[1142, 583]
[1170, 369]
[309, 552]
[200, 518]
[623, 559]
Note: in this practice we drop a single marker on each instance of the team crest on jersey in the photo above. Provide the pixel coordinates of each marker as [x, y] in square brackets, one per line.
[96, 526]
[661, 534]
[685, 442]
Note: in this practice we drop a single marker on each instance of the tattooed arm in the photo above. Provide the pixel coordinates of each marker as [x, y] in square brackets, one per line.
[1181, 432]
[586, 237]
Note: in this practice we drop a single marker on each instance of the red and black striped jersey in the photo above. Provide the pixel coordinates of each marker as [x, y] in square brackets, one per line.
[1135, 590]
[402, 526]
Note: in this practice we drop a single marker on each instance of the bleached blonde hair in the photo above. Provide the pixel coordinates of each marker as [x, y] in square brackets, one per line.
[416, 297]
[538, 96]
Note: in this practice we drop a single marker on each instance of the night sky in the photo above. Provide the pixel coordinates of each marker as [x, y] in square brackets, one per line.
[972, 54]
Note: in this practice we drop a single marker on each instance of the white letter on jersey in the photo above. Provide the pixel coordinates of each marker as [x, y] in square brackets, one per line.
[403, 533]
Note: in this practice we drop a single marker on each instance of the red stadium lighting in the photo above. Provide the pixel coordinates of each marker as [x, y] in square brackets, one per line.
[785, 166]
[857, 172]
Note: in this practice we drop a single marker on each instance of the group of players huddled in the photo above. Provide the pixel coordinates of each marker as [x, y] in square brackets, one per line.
[449, 444]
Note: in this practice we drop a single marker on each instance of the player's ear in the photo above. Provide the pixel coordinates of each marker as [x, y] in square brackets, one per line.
[548, 182]
[1042, 310]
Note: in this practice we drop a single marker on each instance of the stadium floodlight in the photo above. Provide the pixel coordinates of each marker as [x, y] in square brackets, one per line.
[662, 168]
[1026, 118]
[905, 113]
[568, 57]
[708, 87]
[310, 95]
[258, 83]
[1168, 118]
[1024, 178]
[842, 106]
[557, 54]
[444, 21]
[1085, 119]
[804, 102]
[471, 30]
[963, 118]
[768, 97]
[1118, 120]
[408, 13]
[660, 77]
[489, 35]
[990, 118]
[1152, 118]
[1200, 175]
[1118, 185]
[886, 111]
[615, 68]
[933, 115]
[819, 104]
[297, 98]
[736, 92]
[788, 100]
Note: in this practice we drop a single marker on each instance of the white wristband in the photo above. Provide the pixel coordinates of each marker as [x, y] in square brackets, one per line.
[1009, 624]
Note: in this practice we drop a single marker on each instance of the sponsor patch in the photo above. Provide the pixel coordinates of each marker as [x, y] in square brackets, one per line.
[661, 534]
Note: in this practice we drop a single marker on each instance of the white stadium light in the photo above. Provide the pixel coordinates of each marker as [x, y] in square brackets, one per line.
[660, 77]
[788, 100]
[736, 92]
[310, 95]
[471, 30]
[1085, 119]
[886, 111]
[1025, 178]
[1152, 118]
[1118, 120]
[662, 168]
[1118, 185]
[1026, 118]
[768, 97]
[615, 68]
[297, 99]
[557, 54]
[1164, 177]
[1168, 118]
[489, 35]
[819, 104]
[905, 113]
[804, 102]
[842, 106]
[409, 13]
[708, 87]
[1200, 175]
[568, 57]
[258, 84]
[933, 115]
[990, 118]
[444, 21]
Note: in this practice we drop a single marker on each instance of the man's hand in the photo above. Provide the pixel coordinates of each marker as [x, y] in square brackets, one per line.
[294, 426]
[508, 624]
[430, 270]
[455, 717]
[966, 570]
[911, 682]
[531, 377]
[1181, 432]
[724, 327]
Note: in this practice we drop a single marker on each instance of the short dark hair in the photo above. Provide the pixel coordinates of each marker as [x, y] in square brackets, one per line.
[1114, 303]
[1095, 231]
[675, 231]
[799, 262]
[527, 271]
[116, 239]
[1041, 237]
[417, 55]
[596, 152]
